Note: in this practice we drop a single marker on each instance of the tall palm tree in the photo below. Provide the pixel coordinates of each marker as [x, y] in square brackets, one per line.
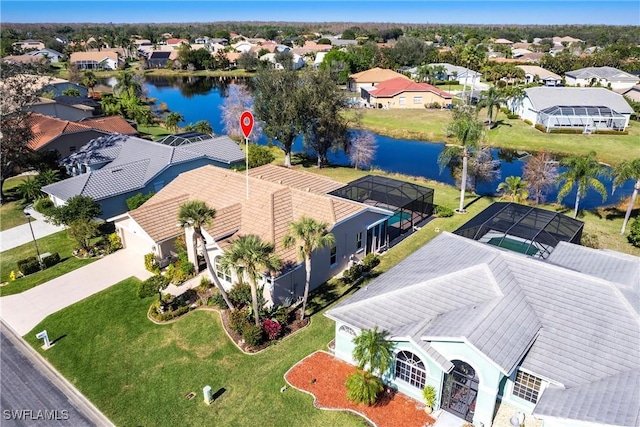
[172, 121]
[248, 256]
[469, 132]
[89, 80]
[492, 99]
[196, 214]
[583, 171]
[629, 169]
[309, 235]
[373, 351]
[127, 83]
[515, 188]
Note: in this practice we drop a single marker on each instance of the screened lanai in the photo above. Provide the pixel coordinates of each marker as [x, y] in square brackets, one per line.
[184, 138]
[410, 203]
[585, 118]
[524, 229]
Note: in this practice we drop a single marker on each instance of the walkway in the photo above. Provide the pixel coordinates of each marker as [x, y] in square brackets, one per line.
[25, 310]
[21, 234]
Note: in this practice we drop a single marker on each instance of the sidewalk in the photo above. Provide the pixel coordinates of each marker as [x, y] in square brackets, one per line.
[21, 234]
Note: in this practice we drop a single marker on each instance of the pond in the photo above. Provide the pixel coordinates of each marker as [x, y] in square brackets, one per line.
[200, 99]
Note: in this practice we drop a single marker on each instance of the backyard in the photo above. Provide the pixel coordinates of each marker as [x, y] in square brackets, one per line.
[11, 211]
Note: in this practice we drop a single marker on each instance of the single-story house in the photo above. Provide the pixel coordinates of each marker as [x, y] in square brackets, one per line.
[158, 59]
[56, 87]
[276, 197]
[601, 76]
[175, 42]
[24, 59]
[112, 168]
[318, 60]
[66, 137]
[29, 45]
[503, 42]
[587, 108]
[633, 93]
[402, 93]
[557, 339]
[63, 110]
[297, 61]
[463, 75]
[536, 74]
[95, 60]
[371, 77]
[50, 55]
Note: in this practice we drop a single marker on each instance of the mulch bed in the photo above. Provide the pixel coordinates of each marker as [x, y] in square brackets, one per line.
[324, 375]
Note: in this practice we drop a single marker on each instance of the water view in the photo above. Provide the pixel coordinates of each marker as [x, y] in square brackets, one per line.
[200, 99]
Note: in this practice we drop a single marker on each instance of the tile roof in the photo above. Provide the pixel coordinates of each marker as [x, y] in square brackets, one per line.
[295, 178]
[268, 211]
[398, 85]
[545, 97]
[539, 71]
[93, 56]
[573, 328]
[609, 73]
[376, 75]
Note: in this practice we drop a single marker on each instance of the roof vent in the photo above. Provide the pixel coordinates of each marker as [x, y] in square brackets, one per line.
[308, 189]
[280, 181]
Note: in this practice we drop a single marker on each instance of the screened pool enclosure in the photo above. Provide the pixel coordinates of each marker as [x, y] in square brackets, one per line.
[586, 118]
[523, 229]
[410, 203]
[184, 138]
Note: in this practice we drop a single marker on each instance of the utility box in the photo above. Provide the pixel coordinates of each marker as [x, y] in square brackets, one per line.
[208, 396]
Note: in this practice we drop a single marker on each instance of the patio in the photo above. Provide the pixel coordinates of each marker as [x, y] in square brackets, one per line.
[323, 376]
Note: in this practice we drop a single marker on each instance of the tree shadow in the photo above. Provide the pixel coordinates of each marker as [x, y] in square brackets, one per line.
[386, 396]
[330, 292]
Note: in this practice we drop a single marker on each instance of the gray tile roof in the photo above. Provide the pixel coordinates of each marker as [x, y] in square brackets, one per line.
[573, 328]
[609, 73]
[132, 163]
[461, 71]
[545, 97]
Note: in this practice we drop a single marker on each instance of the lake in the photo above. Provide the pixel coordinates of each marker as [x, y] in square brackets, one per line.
[199, 98]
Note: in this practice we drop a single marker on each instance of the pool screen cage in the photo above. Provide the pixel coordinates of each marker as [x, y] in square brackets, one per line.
[184, 138]
[587, 118]
[410, 203]
[520, 228]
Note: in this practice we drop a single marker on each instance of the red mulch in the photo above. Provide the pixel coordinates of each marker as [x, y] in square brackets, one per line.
[324, 375]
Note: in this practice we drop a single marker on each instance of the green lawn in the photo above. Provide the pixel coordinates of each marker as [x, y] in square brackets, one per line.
[156, 132]
[58, 242]
[430, 125]
[139, 373]
[11, 212]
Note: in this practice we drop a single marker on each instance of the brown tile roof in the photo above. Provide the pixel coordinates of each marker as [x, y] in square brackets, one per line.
[395, 86]
[267, 213]
[294, 178]
[376, 75]
[93, 56]
[46, 128]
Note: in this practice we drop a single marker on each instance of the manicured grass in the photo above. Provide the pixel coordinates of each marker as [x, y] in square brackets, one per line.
[11, 212]
[139, 373]
[430, 125]
[156, 132]
[58, 242]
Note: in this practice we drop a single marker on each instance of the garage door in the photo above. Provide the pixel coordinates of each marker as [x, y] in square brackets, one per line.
[136, 243]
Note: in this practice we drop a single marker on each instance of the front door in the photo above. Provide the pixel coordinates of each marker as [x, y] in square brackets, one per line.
[460, 391]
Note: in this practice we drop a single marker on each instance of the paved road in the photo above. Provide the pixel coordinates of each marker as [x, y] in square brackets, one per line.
[34, 394]
[21, 234]
[25, 310]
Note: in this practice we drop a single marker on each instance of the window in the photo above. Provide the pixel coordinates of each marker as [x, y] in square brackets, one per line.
[334, 255]
[417, 100]
[347, 330]
[411, 369]
[526, 387]
[359, 241]
[223, 274]
[401, 100]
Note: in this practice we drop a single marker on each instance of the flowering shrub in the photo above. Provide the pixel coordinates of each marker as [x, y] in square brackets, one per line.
[272, 328]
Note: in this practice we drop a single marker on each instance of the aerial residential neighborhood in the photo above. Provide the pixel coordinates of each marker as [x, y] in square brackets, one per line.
[302, 218]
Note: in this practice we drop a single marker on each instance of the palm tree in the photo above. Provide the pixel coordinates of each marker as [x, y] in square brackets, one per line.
[628, 169]
[515, 188]
[309, 235]
[491, 98]
[583, 171]
[89, 80]
[469, 131]
[196, 214]
[30, 189]
[127, 83]
[373, 351]
[249, 255]
[172, 121]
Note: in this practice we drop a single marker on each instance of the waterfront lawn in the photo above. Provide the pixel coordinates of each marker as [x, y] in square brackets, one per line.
[59, 242]
[138, 373]
[431, 125]
[155, 132]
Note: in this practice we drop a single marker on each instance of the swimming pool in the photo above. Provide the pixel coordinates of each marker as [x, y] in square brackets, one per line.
[513, 245]
[399, 216]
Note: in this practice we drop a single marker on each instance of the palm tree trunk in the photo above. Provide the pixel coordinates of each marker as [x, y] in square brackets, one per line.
[254, 300]
[307, 281]
[632, 202]
[463, 184]
[575, 211]
[214, 276]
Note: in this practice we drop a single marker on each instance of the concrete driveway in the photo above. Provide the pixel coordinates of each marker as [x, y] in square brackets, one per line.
[25, 310]
[21, 234]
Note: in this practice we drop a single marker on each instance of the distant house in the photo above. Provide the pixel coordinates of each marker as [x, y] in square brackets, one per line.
[65, 107]
[277, 197]
[112, 168]
[602, 76]
[29, 45]
[49, 55]
[66, 137]
[402, 93]
[633, 93]
[318, 60]
[297, 61]
[24, 59]
[503, 42]
[463, 75]
[173, 42]
[57, 87]
[536, 74]
[588, 109]
[158, 59]
[371, 77]
[95, 60]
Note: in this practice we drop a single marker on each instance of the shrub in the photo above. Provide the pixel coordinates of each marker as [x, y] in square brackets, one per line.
[151, 286]
[28, 265]
[443, 211]
[252, 334]
[541, 128]
[353, 273]
[272, 328]
[114, 242]
[590, 240]
[259, 155]
[281, 315]
[134, 202]
[370, 261]
[567, 131]
[217, 300]
[611, 132]
[529, 122]
[44, 205]
[51, 260]
[429, 395]
[634, 233]
[238, 319]
[363, 387]
[240, 294]
[151, 263]
[512, 116]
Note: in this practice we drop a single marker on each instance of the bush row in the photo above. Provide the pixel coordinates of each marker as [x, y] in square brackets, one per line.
[356, 271]
[31, 265]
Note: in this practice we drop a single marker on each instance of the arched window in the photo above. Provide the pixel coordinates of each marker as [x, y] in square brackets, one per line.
[347, 330]
[410, 368]
[222, 274]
